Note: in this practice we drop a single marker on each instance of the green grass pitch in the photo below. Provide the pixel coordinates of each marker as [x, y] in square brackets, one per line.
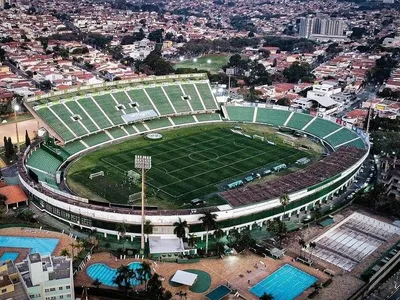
[216, 63]
[188, 163]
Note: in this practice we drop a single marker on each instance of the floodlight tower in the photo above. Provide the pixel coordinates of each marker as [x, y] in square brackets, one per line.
[16, 108]
[142, 163]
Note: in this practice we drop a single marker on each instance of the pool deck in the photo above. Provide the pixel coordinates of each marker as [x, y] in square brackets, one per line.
[222, 271]
[64, 240]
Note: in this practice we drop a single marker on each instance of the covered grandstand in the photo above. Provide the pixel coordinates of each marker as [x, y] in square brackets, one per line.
[86, 119]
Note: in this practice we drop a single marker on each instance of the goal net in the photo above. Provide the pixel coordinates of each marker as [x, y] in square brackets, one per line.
[258, 137]
[93, 175]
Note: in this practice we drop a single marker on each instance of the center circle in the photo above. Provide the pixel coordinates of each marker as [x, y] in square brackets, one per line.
[203, 156]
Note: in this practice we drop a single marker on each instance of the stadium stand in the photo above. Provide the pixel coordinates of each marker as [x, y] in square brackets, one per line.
[340, 137]
[179, 120]
[274, 117]
[122, 98]
[208, 117]
[139, 96]
[241, 114]
[108, 105]
[358, 143]
[299, 120]
[160, 100]
[95, 139]
[54, 122]
[75, 109]
[312, 175]
[117, 132]
[195, 101]
[94, 113]
[321, 128]
[175, 95]
[43, 161]
[158, 123]
[204, 91]
[74, 147]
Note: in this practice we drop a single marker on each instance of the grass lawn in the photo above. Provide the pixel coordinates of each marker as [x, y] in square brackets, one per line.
[188, 163]
[216, 63]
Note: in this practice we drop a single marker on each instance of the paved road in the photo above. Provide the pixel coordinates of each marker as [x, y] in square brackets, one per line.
[20, 72]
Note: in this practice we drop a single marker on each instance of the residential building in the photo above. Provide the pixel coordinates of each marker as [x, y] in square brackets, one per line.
[46, 277]
[10, 285]
[390, 176]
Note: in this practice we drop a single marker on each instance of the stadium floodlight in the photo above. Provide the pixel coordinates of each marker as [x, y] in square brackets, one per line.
[194, 59]
[143, 163]
[16, 108]
[209, 61]
[229, 72]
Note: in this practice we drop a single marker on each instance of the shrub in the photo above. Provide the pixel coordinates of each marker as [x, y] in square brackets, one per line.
[327, 283]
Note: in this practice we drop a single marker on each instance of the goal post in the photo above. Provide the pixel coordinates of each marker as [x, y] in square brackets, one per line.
[258, 137]
[93, 175]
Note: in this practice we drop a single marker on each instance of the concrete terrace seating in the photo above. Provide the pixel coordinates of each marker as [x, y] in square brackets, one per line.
[274, 117]
[321, 128]
[59, 127]
[139, 96]
[175, 94]
[74, 147]
[208, 117]
[108, 105]
[356, 143]
[158, 123]
[195, 101]
[241, 114]
[160, 100]
[179, 120]
[76, 109]
[207, 96]
[340, 137]
[44, 161]
[94, 112]
[299, 120]
[117, 132]
[96, 139]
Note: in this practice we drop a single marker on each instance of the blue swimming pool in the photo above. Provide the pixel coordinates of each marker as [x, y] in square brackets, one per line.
[105, 274]
[37, 245]
[284, 284]
[9, 256]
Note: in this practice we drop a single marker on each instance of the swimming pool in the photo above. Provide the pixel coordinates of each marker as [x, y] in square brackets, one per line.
[105, 274]
[9, 256]
[37, 245]
[284, 284]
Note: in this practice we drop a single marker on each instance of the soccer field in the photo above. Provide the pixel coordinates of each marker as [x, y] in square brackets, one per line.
[184, 167]
[212, 63]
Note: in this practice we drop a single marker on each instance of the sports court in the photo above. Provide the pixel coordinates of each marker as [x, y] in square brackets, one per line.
[190, 165]
[353, 239]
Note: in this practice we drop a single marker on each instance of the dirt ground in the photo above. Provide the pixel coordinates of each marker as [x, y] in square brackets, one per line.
[9, 130]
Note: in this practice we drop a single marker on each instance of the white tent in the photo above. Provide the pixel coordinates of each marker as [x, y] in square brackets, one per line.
[185, 278]
[166, 244]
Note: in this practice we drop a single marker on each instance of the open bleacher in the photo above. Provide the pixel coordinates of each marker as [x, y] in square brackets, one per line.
[78, 116]
[241, 114]
[44, 161]
[341, 137]
[299, 120]
[274, 117]
[321, 128]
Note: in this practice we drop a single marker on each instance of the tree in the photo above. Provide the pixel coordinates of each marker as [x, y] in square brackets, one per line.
[27, 139]
[283, 101]
[10, 146]
[192, 240]
[148, 228]
[266, 296]
[218, 233]
[274, 63]
[123, 278]
[180, 228]
[209, 223]
[65, 252]
[298, 71]
[154, 286]
[144, 273]
[302, 244]
[2, 54]
[6, 148]
[121, 229]
[284, 200]
[96, 283]
[156, 35]
[312, 247]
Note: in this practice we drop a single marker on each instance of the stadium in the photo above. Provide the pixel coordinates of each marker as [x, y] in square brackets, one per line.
[234, 160]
